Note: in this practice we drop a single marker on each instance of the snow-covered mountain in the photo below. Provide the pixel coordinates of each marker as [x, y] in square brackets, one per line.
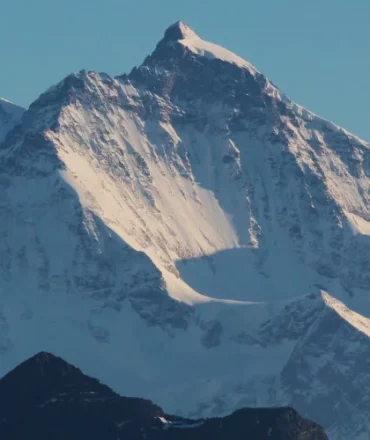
[10, 114]
[188, 234]
[45, 397]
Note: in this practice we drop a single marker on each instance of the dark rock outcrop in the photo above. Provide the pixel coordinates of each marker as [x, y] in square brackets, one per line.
[46, 398]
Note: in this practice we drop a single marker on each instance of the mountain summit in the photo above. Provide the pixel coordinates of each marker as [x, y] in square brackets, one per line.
[179, 31]
[185, 35]
[198, 230]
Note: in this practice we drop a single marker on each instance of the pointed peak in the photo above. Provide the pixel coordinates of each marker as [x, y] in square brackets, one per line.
[42, 358]
[180, 34]
[179, 31]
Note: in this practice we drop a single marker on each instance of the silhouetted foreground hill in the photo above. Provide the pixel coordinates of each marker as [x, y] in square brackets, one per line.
[46, 398]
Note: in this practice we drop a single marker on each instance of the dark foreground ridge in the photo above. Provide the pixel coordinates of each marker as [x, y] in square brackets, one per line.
[46, 398]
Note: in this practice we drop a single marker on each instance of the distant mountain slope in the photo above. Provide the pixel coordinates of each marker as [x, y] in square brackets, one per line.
[196, 229]
[47, 398]
[10, 114]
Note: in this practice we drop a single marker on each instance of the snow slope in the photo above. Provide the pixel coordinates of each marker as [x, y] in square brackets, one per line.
[198, 231]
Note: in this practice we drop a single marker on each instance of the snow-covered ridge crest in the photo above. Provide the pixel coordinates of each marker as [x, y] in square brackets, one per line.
[188, 38]
[179, 31]
[10, 115]
[359, 322]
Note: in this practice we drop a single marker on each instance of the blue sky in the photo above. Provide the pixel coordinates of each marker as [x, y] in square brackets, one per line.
[317, 52]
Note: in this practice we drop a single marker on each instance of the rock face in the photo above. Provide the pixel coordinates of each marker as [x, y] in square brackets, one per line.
[198, 230]
[45, 398]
